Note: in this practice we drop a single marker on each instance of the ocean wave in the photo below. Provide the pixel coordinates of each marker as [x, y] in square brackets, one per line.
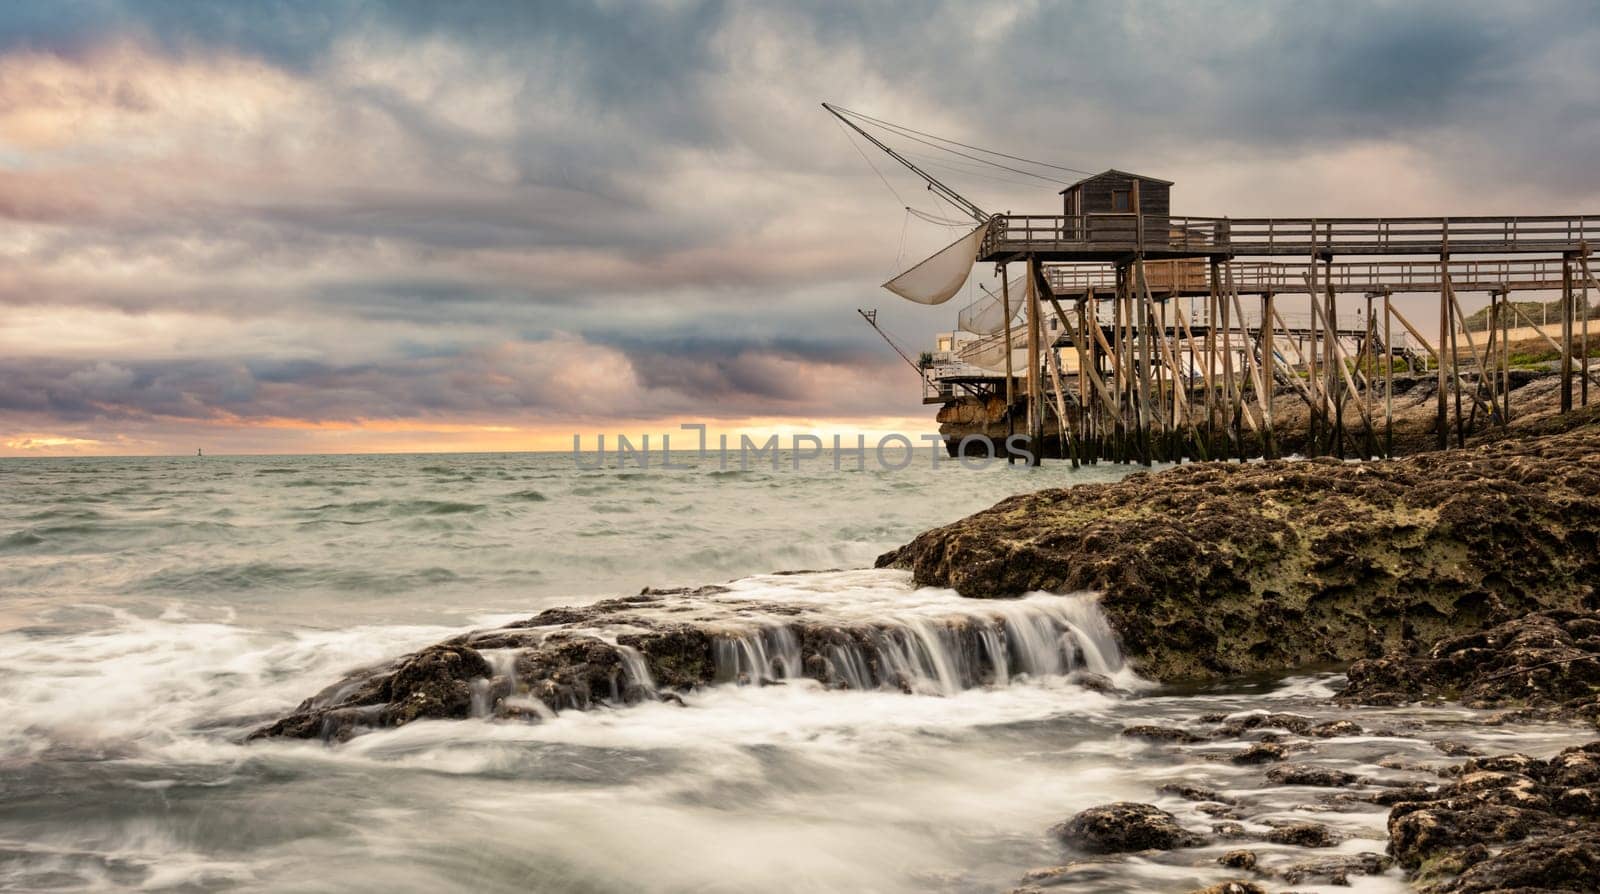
[401, 507]
[531, 496]
[277, 576]
[18, 541]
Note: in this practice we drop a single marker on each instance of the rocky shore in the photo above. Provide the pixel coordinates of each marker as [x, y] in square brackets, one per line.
[1460, 577]
[1466, 576]
[1216, 569]
[1498, 822]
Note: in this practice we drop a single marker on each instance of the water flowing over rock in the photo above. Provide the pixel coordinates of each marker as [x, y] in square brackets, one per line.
[758, 631]
[1213, 569]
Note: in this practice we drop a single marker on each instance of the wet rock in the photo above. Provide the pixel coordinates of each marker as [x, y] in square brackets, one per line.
[1191, 792]
[1211, 569]
[1238, 725]
[1392, 796]
[1125, 826]
[1261, 753]
[436, 682]
[1161, 734]
[1304, 835]
[1336, 728]
[1335, 870]
[1310, 774]
[1499, 802]
[1581, 801]
[1569, 862]
[1231, 831]
[1095, 682]
[1232, 888]
[1238, 859]
[1456, 749]
[1078, 871]
[656, 644]
[1547, 664]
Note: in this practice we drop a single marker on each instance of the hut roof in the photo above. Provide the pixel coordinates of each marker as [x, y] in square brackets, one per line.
[1120, 175]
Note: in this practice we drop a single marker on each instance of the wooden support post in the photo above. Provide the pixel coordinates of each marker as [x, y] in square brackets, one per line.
[1314, 424]
[1169, 363]
[1566, 333]
[1229, 421]
[1093, 377]
[1202, 445]
[1489, 366]
[1252, 370]
[1119, 347]
[1388, 378]
[1583, 339]
[1472, 348]
[1337, 363]
[1505, 355]
[1165, 386]
[1213, 393]
[1298, 384]
[1085, 405]
[1331, 334]
[1588, 279]
[1269, 356]
[1035, 411]
[1011, 380]
[1368, 361]
[1142, 362]
[1064, 437]
[1442, 412]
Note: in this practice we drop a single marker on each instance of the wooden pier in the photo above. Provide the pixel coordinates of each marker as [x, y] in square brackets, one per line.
[1195, 354]
[1156, 337]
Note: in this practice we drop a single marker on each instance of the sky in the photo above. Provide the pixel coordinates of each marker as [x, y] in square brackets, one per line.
[281, 227]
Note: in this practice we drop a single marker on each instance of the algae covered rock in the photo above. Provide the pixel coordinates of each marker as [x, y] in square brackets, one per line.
[1213, 568]
[1546, 660]
[1125, 826]
[1505, 822]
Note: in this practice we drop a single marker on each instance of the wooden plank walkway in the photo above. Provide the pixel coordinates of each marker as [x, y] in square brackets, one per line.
[1189, 277]
[1108, 237]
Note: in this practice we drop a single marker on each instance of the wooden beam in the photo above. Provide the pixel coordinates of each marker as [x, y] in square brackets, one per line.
[1035, 411]
[1566, 334]
[1011, 379]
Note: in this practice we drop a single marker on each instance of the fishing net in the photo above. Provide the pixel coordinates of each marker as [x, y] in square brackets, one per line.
[938, 278]
[987, 315]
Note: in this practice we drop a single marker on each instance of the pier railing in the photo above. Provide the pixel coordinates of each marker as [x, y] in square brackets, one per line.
[1057, 237]
[1192, 276]
[1102, 232]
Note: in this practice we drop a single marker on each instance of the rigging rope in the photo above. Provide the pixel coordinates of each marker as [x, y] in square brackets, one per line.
[906, 132]
[940, 221]
[868, 160]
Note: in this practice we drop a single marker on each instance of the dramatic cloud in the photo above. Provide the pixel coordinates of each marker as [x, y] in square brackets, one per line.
[314, 216]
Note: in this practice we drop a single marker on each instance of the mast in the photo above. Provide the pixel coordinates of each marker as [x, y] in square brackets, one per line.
[938, 188]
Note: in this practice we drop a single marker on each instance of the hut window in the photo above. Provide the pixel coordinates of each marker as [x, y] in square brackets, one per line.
[1121, 200]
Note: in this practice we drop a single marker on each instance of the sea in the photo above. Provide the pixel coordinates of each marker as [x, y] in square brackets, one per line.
[154, 611]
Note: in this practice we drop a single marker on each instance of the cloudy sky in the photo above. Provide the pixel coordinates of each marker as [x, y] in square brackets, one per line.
[326, 226]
